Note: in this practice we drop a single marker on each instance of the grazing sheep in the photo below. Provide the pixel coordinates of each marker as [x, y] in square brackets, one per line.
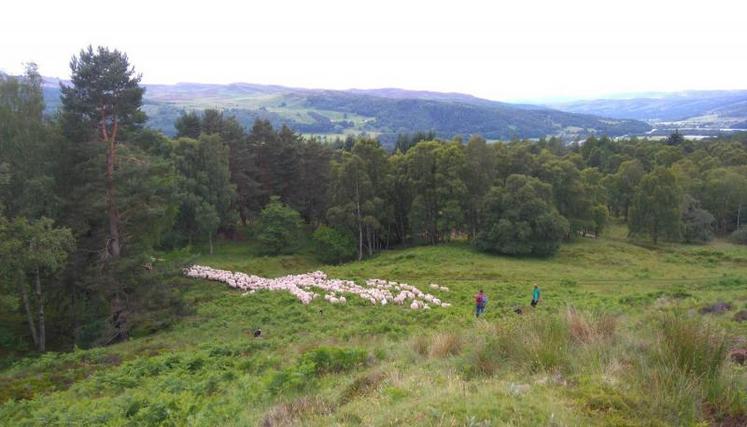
[300, 286]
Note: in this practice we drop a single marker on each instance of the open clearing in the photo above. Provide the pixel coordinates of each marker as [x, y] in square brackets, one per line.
[594, 352]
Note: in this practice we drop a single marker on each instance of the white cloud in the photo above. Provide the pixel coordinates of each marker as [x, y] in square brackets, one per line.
[499, 50]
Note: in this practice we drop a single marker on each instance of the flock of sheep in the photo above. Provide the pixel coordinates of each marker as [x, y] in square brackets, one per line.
[301, 286]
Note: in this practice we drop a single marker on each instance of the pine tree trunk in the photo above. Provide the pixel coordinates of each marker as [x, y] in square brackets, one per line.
[370, 239]
[210, 241]
[40, 302]
[114, 242]
[360, 241]
[359, 220]
[29, 316]
[739, 216]
[76, 317]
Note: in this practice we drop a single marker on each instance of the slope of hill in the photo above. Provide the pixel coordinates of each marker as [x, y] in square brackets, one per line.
[690, 109]
[616, 340]
[384, 112]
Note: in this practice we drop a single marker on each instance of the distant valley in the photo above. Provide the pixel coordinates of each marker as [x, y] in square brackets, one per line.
[388, 112]
[694, 112]
[381, 112]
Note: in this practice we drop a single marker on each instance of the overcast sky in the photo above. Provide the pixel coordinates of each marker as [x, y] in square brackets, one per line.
[503, 50]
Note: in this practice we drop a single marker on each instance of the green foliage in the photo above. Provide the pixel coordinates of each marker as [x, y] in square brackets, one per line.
[279, 228]
[623, 184]
[320, 361]
[328, 360]
[332, 245]
[103, 83]
[550, 364]
[724, 194]
[685, 371]
[188, 125]
[436, 172]
[207, 195]
[518, 220]
[697, 223]
[656, 209]
[739, 236]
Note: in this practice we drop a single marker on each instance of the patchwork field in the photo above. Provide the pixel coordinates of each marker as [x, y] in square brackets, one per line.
[620, 338]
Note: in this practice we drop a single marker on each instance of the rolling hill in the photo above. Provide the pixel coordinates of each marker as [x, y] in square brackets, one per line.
[693, 110]
[382, 112]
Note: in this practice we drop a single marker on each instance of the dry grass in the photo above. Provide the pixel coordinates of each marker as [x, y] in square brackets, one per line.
[585, 328]
[362, 386]
[446, 344]
[421, 344]
[287, 413]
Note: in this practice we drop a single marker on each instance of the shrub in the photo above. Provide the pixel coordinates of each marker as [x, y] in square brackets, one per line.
[333, 359]
[295, 378]
[739, 236]
[697, 223]
[332, 245]
[520, 220]
[278, 228]
[320, 361]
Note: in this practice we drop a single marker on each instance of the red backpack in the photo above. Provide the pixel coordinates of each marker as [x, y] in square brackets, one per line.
[479, 299]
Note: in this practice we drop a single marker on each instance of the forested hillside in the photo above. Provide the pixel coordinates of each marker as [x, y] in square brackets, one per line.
[384, 112]
[103, 195]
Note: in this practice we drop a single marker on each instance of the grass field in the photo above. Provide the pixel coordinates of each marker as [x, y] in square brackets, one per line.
[617, 340]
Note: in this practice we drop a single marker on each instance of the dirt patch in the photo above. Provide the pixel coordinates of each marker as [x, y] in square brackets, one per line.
[738, 355]
[718, 308]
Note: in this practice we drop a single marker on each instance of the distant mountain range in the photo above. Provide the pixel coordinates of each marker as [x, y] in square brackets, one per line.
[382, 112]
[388, 112]
[691, 110]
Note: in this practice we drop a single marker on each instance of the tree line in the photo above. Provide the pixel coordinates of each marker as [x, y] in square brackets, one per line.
[90, 197]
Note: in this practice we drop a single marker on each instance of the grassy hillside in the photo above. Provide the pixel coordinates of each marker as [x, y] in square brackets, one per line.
[617, 340]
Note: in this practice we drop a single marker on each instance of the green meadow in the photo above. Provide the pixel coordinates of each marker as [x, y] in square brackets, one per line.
[618, 339]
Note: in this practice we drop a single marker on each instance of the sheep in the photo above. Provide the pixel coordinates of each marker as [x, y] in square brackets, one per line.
[377, 291]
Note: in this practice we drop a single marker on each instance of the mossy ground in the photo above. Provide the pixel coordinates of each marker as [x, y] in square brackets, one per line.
[595, 352]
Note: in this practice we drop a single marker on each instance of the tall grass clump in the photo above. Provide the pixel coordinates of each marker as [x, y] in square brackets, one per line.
[683, 371]
[446, 344]
[532, 343]
[538, 342]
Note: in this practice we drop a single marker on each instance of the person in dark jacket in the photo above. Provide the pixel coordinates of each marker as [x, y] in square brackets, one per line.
[481, 300]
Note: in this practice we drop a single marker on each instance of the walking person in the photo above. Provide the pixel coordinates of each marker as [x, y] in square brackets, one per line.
[481, 300]
[536, 295]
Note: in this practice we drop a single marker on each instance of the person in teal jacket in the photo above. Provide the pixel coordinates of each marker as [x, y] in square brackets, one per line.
[536, 295]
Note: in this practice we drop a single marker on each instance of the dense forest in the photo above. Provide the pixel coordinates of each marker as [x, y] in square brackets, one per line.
[91, 199]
